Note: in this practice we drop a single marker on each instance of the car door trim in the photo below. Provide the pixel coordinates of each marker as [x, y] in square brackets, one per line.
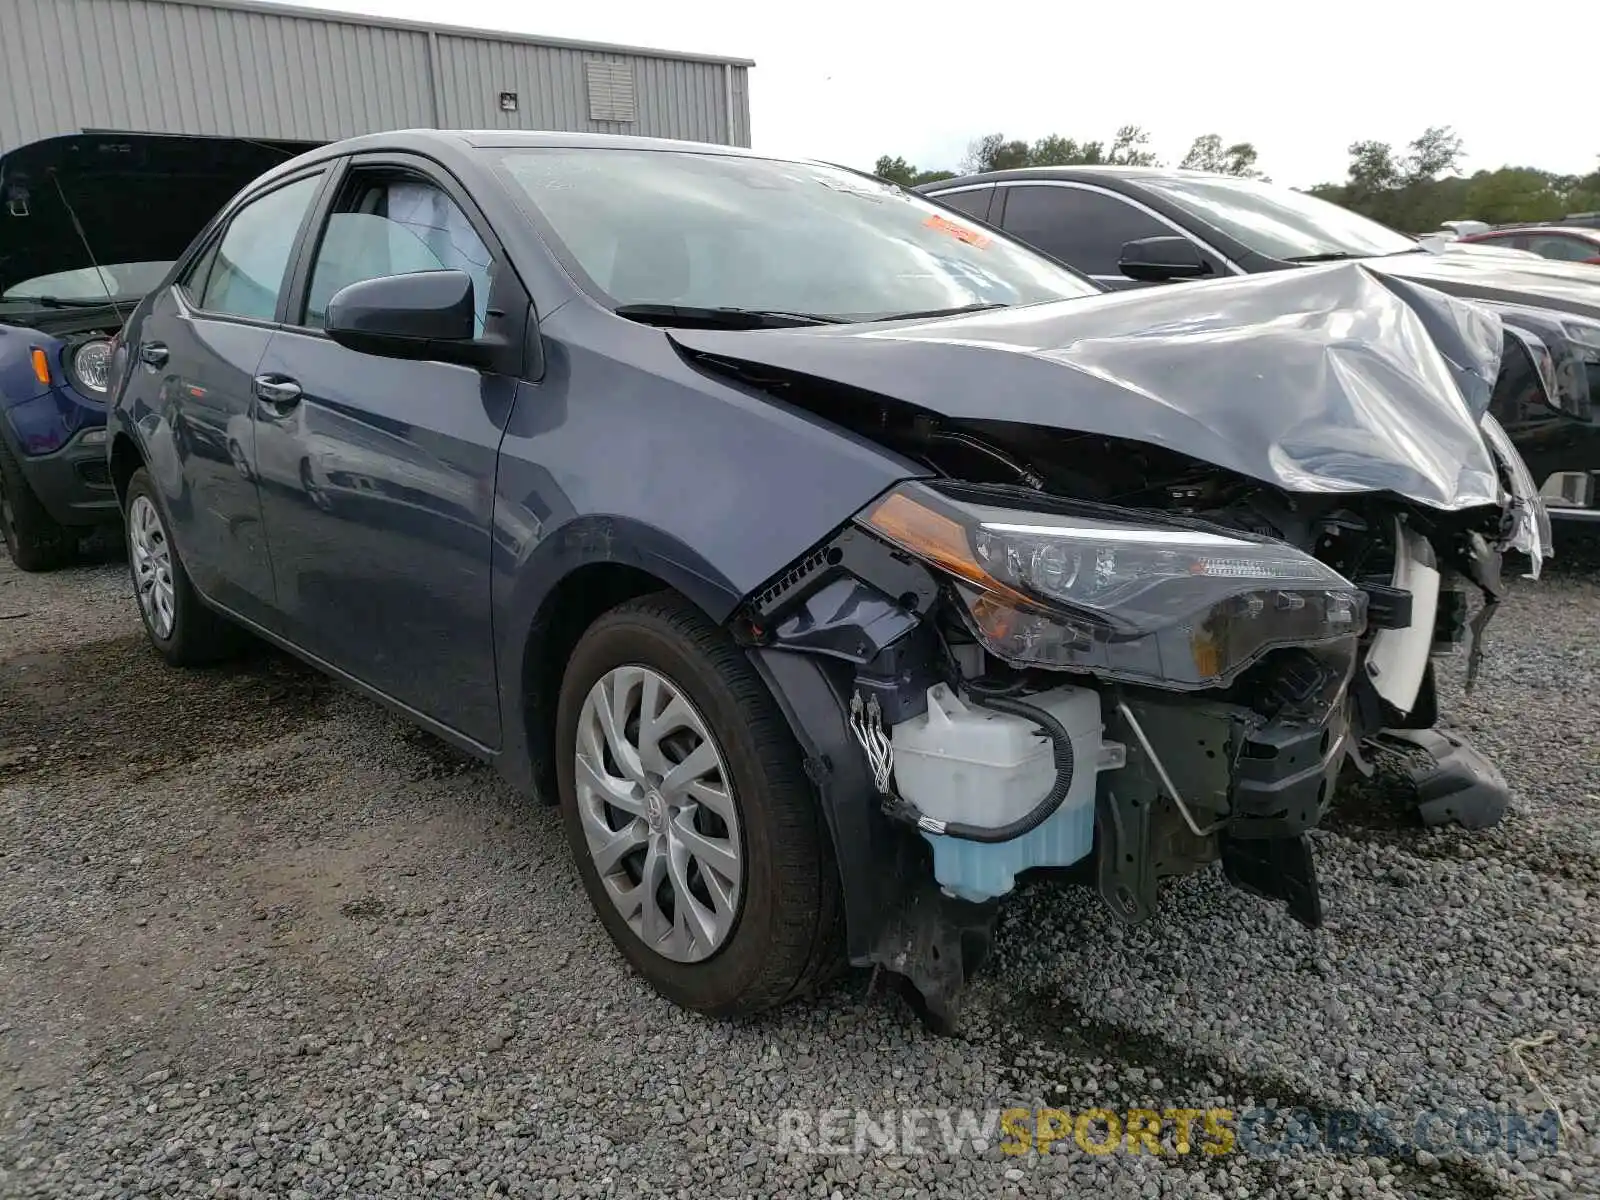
[1232, 267]
[439, 729]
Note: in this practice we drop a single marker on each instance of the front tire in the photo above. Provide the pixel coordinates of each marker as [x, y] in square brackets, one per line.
[696, 832]
[33, 538]
[182, 629]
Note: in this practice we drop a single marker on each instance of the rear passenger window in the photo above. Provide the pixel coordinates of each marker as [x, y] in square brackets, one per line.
[974, 201]
[247, 270]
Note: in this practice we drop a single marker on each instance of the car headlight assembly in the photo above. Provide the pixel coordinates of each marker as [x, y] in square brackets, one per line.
[1572, 344]
[1585, 335]
[1174, 604]
[89, 366]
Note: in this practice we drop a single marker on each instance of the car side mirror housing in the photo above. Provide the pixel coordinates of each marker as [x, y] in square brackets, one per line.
[1159, 259]
[423, 315]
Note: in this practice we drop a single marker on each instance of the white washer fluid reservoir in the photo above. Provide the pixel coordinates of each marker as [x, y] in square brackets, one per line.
[963, 762]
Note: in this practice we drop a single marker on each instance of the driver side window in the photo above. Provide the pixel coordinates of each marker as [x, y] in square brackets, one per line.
[388, 224]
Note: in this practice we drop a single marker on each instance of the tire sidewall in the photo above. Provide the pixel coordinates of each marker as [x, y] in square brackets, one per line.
[715, 983]
[7, 533]
[33, 539]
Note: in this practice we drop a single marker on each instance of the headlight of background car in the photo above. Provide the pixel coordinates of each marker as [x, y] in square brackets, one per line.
[1585, 334]
[1574, 344]
[1176, 605]
[89, 366]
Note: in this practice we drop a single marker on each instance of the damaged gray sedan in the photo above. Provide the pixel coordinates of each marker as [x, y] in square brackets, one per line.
[836, 563]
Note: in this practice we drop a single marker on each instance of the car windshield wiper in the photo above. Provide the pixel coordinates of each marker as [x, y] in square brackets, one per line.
[55, 302]
[723, 318]
[940, 312]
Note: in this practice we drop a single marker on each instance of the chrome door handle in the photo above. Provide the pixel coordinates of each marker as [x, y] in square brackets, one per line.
[277, 391]
[153, 354]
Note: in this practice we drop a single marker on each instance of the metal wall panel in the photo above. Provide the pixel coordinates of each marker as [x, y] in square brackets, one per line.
[671, 98]
[251, 70]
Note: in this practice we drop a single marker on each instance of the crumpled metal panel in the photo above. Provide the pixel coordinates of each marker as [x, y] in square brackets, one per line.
[1329, 379]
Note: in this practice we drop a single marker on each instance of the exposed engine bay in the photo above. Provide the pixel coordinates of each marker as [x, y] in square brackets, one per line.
[1087, 655]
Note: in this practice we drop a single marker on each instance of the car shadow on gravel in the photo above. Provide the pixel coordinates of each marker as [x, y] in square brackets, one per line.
[109, 704]
[1047, 1034]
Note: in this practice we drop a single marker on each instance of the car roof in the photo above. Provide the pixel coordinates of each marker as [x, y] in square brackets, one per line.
[1584, 231]
[445, 141]
[1078, 175]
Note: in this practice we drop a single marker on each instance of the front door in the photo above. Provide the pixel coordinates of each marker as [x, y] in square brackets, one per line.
[217, 323]
[379, 494]
[1086, 227]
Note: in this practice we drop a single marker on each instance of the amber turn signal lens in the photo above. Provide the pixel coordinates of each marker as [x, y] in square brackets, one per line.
[922, 531]
[938, 539]
[41, 366]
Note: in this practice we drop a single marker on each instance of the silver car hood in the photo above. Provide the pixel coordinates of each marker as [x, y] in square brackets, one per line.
[1328, 379]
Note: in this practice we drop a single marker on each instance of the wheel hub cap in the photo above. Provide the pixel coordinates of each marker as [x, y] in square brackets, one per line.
[655, 811]
[656, 803]
[151, 559]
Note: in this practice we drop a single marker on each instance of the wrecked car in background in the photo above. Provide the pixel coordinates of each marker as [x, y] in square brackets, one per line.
[1135, 227]
[88, 224]
[829, 593]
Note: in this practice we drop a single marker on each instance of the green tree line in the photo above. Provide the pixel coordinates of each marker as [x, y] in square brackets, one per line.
[1415, 188]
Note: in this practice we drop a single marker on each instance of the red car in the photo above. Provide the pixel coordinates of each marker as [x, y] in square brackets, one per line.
[1568, 243]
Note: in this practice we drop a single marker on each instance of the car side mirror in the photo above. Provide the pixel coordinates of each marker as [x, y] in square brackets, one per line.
[1158, 259]
[423, 315]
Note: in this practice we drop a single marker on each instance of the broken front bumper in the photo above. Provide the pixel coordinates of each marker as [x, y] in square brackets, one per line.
[1250, 788]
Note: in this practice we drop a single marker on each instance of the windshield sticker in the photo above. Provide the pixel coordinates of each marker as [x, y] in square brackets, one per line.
[960, 232]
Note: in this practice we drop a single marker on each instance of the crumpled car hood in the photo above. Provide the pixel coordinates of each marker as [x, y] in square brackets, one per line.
[1328, 379]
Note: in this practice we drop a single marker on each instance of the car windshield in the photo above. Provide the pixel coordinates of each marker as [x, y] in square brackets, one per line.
[728, 231]
[1278, 222]
[118, 281]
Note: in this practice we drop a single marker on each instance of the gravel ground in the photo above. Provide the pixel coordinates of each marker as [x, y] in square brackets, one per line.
[261, 940]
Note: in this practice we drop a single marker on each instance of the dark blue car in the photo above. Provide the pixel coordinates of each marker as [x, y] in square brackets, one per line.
[88, 225]
[831, 559]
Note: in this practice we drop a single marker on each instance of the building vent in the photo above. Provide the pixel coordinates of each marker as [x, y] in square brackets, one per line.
[610, 90]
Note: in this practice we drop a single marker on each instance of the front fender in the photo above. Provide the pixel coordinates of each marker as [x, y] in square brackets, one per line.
[526, 585]
[625, 455]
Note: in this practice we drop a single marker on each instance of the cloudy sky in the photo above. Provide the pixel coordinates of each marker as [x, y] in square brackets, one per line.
[850, 81]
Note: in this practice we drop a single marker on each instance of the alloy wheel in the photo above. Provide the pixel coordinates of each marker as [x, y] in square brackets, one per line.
[152, 566]
[656, 803]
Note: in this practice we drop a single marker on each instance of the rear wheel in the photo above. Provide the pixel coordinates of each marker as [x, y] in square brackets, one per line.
[182, 629]
[695, 829]
[33, 538]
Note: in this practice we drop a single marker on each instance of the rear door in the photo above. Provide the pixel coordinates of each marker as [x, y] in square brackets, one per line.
[379, 498]
[196, 358]
[1085, 227]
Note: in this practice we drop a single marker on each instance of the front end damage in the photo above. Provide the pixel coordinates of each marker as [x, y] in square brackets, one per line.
[1071, 652]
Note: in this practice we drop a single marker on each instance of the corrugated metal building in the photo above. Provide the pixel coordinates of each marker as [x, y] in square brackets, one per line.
[243, 69]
